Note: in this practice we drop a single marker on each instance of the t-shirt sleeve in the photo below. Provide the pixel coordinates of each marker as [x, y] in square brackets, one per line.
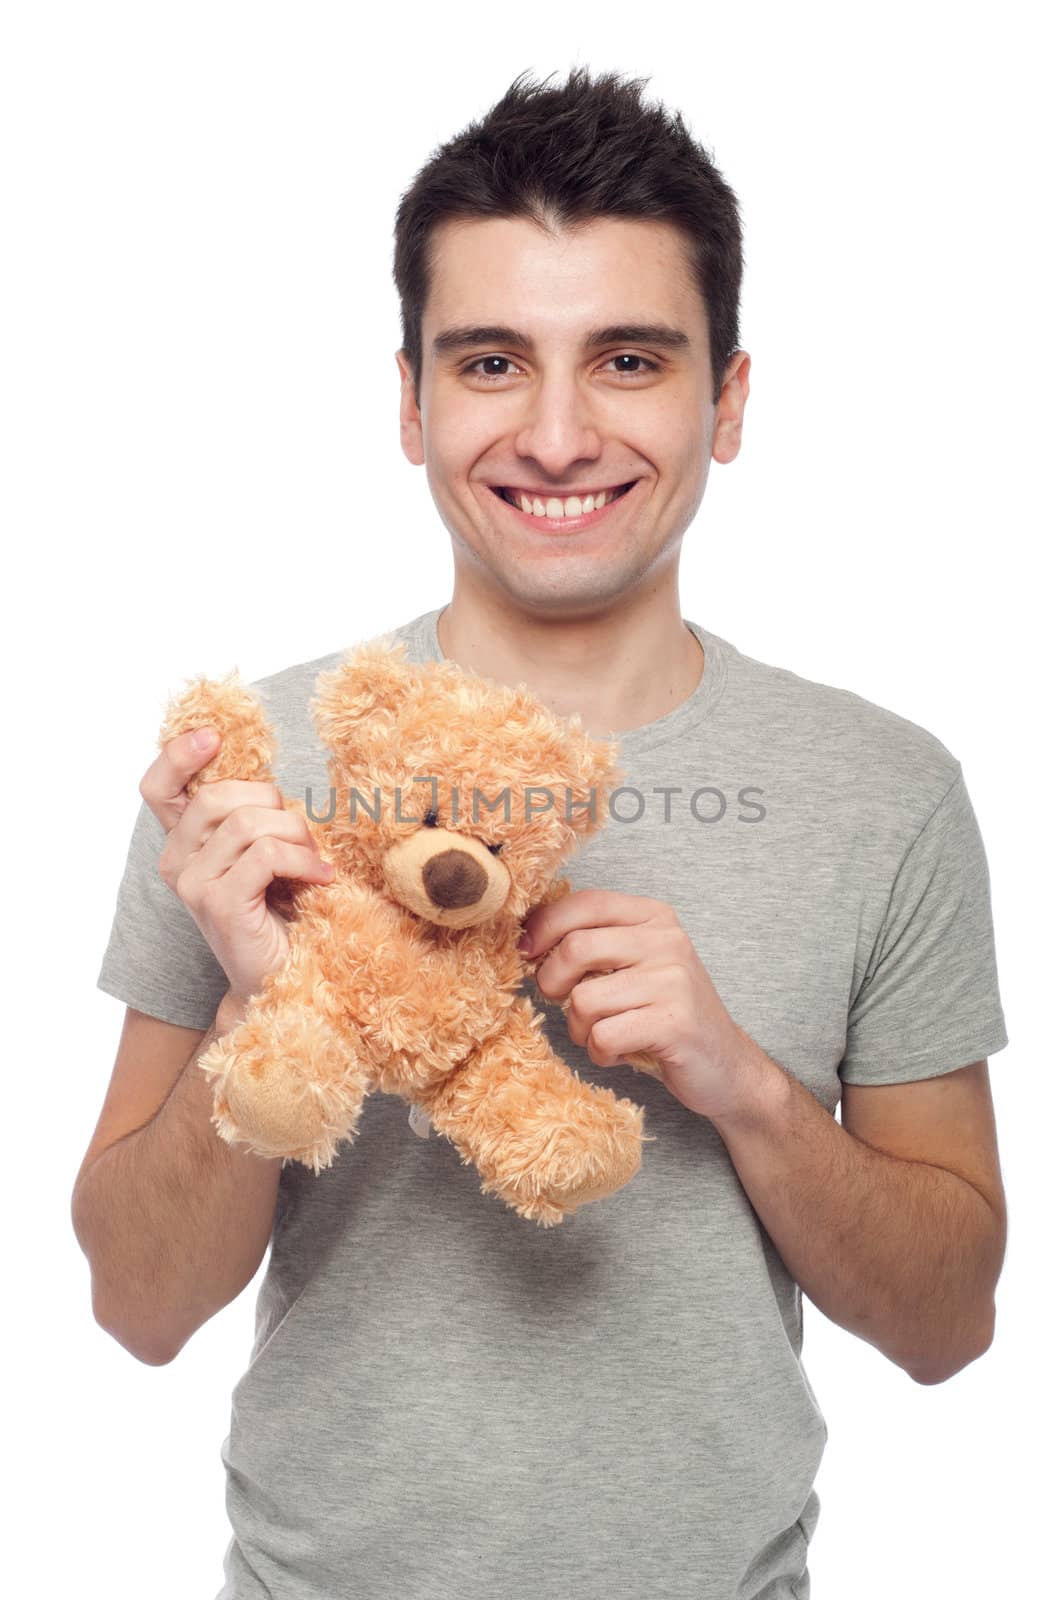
[929, 1001]
[156, 959]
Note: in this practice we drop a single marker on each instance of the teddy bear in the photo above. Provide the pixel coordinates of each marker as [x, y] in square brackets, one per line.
[453, 800]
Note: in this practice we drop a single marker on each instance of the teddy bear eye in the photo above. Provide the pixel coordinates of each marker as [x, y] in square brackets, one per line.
[431, 820]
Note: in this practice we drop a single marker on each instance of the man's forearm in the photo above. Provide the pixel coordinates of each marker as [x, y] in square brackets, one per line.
[903, 1254]
[174, 1221]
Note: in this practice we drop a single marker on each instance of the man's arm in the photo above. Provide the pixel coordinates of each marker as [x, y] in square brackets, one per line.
[903, 1252]
[173, 1220]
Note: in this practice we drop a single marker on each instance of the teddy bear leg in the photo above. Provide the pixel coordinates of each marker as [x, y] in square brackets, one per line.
[543, 1140]
[288, 1085]
[289, 1080]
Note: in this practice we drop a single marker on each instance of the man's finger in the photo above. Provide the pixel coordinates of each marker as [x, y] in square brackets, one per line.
[584, 908]
[163, 785]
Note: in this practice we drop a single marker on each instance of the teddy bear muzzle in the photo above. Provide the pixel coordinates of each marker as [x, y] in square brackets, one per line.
[446, 878]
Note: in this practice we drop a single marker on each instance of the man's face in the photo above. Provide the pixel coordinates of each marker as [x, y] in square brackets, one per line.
[547, 414]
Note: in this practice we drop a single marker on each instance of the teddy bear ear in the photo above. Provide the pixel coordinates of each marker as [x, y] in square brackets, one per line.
[371, 682]
[600, 773]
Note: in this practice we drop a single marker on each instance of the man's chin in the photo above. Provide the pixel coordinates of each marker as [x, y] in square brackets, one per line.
[570, 595]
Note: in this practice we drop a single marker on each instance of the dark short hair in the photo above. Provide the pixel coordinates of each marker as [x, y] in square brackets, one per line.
[562, 156]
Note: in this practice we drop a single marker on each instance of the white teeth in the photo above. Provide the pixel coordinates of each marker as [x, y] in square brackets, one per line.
[573, 506]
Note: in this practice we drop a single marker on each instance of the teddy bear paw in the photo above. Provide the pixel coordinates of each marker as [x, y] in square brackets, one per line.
[586, 1159]
[286, 1086]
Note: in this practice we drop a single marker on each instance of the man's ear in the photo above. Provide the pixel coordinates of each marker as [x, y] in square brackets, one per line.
[734, 392]
[365, 691]
[411, 432]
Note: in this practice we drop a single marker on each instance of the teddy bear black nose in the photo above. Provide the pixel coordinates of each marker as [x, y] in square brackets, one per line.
[453, 878]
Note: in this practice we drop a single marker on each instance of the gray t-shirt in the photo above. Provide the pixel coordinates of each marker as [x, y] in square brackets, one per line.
[446, 1402]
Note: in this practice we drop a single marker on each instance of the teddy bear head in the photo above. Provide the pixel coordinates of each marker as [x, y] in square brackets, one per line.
[453, 794]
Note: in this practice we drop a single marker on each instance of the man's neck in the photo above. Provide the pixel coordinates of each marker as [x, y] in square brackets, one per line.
[619, 670]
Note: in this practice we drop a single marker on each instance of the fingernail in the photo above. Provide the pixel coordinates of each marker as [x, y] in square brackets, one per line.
[203, 738]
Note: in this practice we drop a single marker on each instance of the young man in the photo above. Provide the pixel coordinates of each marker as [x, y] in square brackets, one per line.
[443, 1399]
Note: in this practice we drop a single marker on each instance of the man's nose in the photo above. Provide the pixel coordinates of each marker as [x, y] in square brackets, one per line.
[561, 427]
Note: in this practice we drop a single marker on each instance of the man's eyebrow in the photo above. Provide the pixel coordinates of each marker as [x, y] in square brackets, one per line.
[655, 333]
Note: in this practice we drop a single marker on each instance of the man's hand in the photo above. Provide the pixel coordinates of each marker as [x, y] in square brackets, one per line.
[223, 849]
[635, 983]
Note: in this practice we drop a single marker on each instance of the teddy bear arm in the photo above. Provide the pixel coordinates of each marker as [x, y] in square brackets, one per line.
[246, 750]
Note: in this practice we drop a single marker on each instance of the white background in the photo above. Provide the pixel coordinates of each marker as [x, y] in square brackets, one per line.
[202, 470]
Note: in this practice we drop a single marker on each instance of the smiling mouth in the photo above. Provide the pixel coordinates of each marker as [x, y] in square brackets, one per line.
[548, 512]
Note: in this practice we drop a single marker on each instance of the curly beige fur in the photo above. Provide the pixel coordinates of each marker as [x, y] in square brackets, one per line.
[403, 974]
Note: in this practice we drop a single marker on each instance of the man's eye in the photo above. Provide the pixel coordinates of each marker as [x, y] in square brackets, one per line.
[628, 372]
[647, 366]
[502, 360]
